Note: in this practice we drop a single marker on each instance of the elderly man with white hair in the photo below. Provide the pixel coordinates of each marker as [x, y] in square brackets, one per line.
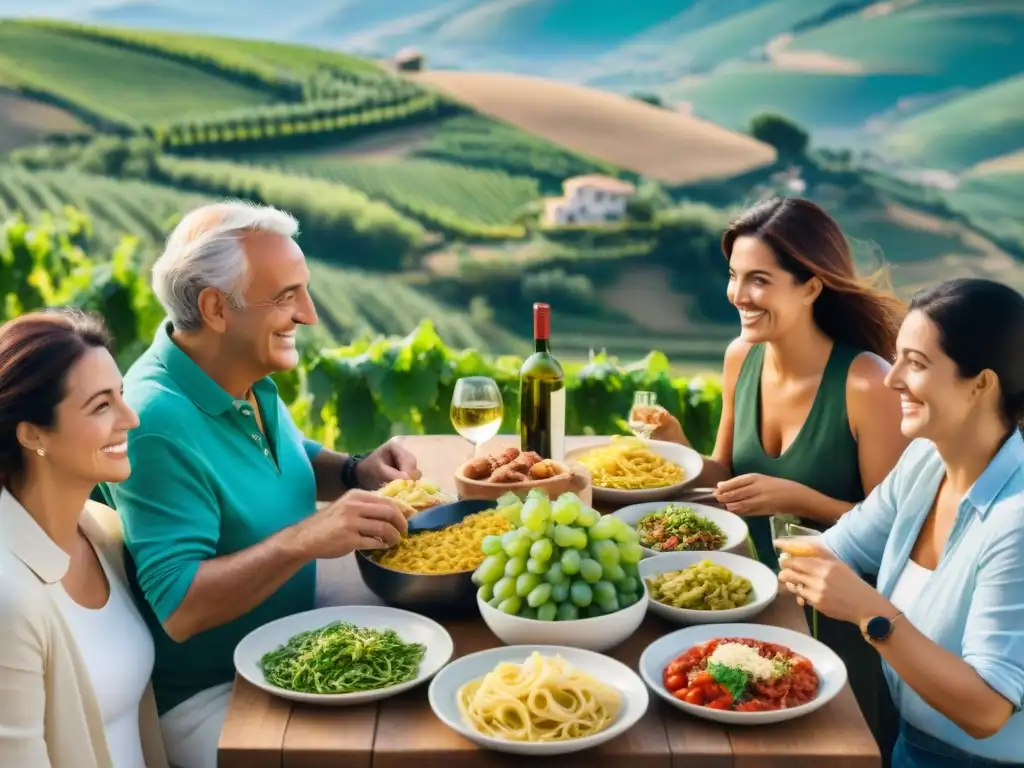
[220, 516]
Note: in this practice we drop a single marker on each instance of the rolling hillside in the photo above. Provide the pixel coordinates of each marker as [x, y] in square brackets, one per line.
[628, 133]
[872, 72]
[115, 83]
[965, 131]
[418, 195]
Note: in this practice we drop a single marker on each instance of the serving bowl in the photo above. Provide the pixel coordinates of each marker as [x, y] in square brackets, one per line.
[691, 462]
[576, 480]
[658, 655]
[765, 586]
[411, 627]
[733, 526]
[444, 689]
[595, 634]
[439, 595]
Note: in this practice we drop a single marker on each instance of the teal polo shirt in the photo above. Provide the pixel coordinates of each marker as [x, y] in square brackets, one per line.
[205, 483]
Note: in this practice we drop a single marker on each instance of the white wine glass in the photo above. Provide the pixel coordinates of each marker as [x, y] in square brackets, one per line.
[477, 409]
[795, 535]
[642, 399]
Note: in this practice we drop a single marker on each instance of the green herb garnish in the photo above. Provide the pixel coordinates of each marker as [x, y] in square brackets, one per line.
[732, 679]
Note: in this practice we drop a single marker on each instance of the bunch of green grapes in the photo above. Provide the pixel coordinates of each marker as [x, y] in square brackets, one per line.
[562, 561]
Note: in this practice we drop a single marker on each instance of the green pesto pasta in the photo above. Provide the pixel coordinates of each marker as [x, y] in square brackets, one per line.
[704, 586]
[342, 658]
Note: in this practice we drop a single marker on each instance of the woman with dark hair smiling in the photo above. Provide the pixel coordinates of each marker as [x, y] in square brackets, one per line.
[75, 655]
[945, 533]
[808, 427]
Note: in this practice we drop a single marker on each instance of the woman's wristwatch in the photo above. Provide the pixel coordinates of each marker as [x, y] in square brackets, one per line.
[878, 629]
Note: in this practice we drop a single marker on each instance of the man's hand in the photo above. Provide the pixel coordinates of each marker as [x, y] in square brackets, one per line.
[389, 462]
[357, 520]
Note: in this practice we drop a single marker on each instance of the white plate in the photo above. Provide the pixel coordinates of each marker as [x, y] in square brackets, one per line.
[830, 668]
[686, 457]
[733, 526]
[444, 689]
[411, 627]
[762, 578]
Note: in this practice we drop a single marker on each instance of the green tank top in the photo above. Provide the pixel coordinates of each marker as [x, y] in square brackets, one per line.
[824, 454]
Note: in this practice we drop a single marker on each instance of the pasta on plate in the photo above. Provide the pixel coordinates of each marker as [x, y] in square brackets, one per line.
[704, 586]
[627, 464]
[542, 699]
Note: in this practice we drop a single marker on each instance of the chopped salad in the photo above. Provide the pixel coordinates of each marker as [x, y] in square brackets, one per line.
[679, 529]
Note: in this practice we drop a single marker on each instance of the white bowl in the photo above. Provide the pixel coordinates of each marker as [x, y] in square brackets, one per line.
[597, 634]
[830, 668]
[443, 695]
[411, 627]
[690, 460]
[733, 526]
[762, 578]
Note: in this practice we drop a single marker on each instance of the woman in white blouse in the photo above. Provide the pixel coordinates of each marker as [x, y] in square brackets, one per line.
[75, 656]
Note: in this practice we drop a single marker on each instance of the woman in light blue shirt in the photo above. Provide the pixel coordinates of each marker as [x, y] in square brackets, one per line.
[945, 533]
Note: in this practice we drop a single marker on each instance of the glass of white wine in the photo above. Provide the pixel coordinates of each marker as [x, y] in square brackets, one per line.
[642, 399]
[800, 540]
[477, 409]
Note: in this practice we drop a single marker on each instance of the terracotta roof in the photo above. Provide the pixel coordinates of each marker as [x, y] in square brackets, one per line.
[599, 181]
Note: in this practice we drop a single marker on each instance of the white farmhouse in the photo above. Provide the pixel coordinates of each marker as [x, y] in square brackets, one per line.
[590, 199]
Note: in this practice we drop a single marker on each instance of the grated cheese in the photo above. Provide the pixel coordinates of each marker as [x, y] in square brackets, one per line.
[745, 658]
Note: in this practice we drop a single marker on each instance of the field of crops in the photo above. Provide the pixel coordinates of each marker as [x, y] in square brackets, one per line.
[137, 86]
[350, 303]
[116, 208]
[487, 143]
[269, 61]
[286, 124]
[479, 195]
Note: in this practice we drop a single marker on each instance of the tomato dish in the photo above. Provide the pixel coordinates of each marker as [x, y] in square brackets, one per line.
[741, 675]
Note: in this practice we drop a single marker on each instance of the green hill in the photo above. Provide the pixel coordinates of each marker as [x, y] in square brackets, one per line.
[860, 67]
[967, 130]
[119, 84]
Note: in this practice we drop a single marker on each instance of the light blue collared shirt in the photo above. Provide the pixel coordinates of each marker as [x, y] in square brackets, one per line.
[973, 603]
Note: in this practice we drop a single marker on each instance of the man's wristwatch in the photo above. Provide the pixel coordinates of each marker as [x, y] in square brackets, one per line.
[877, 629]
[348, 470]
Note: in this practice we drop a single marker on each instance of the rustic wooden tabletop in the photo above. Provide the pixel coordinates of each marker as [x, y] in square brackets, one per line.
[263, 731]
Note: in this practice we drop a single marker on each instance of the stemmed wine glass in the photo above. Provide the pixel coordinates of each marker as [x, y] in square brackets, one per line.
[477, 409]
[642, 399]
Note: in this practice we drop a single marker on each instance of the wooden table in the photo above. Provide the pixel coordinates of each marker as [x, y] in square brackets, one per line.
[264, 731]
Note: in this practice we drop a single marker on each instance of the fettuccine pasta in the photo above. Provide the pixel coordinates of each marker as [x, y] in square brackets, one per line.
[542, 699]
[454, 549]
[626, 463]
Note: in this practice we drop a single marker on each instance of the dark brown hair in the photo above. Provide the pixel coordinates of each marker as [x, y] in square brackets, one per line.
[861, 312]
[37, 350]
[981, 327]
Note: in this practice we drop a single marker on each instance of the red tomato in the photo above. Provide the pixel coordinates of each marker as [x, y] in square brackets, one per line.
[720, 703]
[712, 690]
[675, 682]
[703, 678]
[675, 668]
[695, 696]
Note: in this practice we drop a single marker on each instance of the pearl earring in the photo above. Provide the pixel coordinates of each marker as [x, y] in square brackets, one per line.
[40, 451]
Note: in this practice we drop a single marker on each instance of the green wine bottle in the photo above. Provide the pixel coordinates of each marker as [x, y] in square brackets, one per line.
[542, 394]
